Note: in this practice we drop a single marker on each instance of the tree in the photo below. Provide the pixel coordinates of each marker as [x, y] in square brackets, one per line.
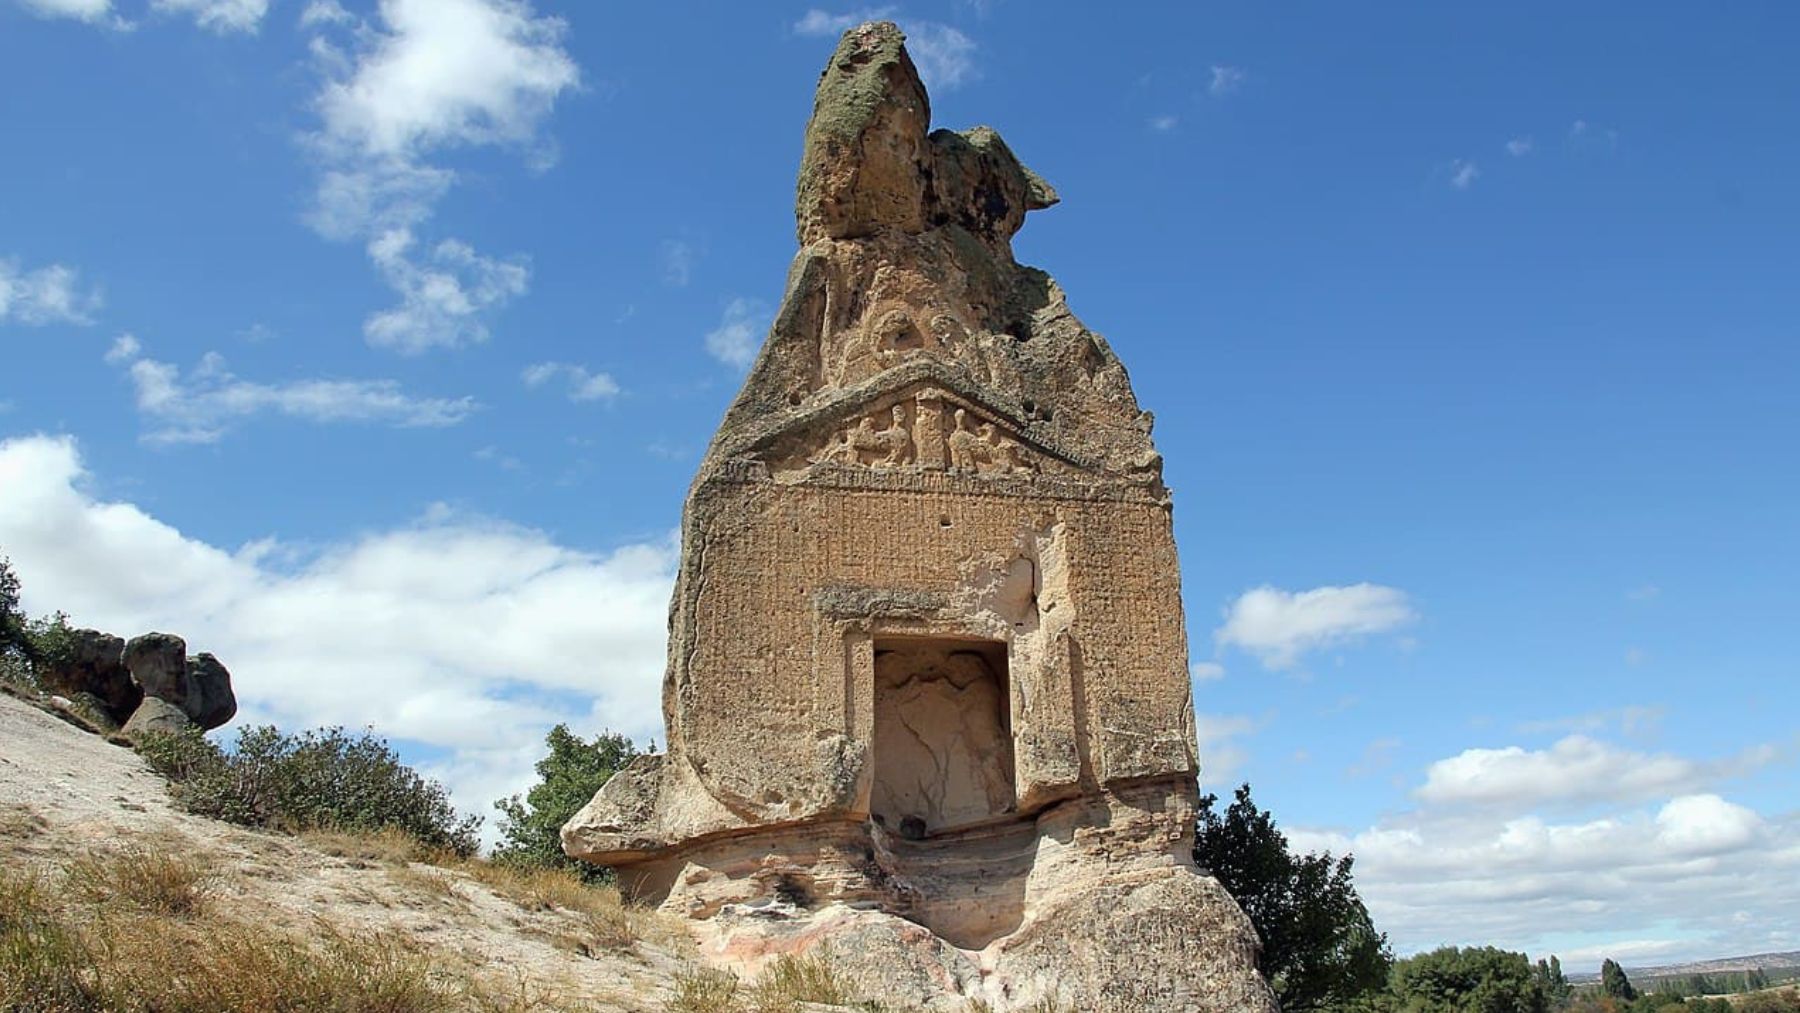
[1614, 983]
[1473, 980]
[1320, 948]
[531, 828]
[12, 617]
[1550, 975]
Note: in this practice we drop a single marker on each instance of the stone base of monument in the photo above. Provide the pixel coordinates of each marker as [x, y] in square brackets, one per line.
[1094, 904]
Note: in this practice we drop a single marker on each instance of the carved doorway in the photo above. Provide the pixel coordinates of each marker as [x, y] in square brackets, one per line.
[943, 735]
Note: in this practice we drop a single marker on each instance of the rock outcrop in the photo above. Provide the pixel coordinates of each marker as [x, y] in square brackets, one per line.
[93, 665]
[927, 696]
[145, 685]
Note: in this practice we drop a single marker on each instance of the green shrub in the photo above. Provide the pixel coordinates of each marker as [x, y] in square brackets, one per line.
[315, 780]
[569, 775]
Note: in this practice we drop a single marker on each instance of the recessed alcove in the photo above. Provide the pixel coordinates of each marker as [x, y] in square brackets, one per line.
[943, 735]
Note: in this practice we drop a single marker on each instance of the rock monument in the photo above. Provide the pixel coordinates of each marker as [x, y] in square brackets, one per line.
[927, 694]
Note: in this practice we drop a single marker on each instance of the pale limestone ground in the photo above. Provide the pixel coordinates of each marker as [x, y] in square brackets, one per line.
[65, 792]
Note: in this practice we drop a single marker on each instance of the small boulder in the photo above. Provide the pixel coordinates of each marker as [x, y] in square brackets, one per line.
[155, 716]
[158, 664]
[210, 701]
[94, 665]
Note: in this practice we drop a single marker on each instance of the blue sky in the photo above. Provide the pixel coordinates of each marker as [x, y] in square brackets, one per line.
[372, 347]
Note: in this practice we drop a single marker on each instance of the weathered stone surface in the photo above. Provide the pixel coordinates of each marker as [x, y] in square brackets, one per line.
[158, 664]
[155, 716]
[94, 664]
[210, 700]
[927, 687]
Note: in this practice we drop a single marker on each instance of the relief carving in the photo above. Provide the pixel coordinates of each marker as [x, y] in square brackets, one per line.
[914, 436]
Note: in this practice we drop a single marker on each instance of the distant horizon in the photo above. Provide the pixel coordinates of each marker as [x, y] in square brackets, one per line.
[372, 347]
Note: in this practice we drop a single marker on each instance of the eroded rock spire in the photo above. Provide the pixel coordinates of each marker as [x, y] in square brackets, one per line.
[927, 691]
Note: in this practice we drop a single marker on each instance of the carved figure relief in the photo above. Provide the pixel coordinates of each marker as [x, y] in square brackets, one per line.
[914, 433]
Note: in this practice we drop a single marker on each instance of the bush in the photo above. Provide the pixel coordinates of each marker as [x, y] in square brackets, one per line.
[531, 828]
[315, 780]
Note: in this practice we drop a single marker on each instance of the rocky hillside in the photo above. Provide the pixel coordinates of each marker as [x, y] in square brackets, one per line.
[152, 906]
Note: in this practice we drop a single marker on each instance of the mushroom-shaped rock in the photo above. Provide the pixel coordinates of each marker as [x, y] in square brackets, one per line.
[158, 664]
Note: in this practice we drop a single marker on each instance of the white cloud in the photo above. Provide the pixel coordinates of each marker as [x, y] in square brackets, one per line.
[1206, 671]
[325, 12]
[1163, 124]
[1644, 592]
[443, 294]
[1224, 81]
[201, 405]
[218, 15]
[1463, 173]
[1575, 769]
[739, 334]
[93, 12]
[458, 633]
[944, 55]
[124, 349]
[1519, 147]
[1280, 626]
[1694, 875]
[45, 295]
[583, 385]
[433, 75]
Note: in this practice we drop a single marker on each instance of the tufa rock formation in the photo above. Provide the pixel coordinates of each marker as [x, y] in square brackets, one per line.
[147, 684]
[927, 696]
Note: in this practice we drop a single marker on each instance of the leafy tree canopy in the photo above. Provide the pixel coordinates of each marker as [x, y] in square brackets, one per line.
[531, 827]
[1320, 948]
[1482, 979]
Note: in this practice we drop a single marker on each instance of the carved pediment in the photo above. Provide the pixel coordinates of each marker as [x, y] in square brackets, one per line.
[924, 422]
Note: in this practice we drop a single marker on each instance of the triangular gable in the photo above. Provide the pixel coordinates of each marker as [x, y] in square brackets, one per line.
[921, 416]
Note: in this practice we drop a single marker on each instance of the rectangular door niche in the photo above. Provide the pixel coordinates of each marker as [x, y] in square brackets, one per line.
[943, 735]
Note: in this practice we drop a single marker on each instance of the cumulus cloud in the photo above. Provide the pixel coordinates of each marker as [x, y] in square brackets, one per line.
[739, 334]
[44, 295]
[1655, 862]
[443, 294]
[218, 15]
[1279, 627]
[457, 634]
[428, 76]
[1164, 123]
[944, 55]
[1710, 875]
[1519, 147]
[1206, 671]
[201, 404]
[1575, 769]
[581, 383]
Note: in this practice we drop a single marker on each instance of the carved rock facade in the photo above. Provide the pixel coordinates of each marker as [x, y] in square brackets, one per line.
[927, 697]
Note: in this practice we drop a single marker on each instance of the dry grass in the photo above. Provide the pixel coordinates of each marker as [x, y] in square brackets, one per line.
[387, 846]
[131, 933]
[149, 882]
[20, 821]
[706, 991]
[781, 988]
